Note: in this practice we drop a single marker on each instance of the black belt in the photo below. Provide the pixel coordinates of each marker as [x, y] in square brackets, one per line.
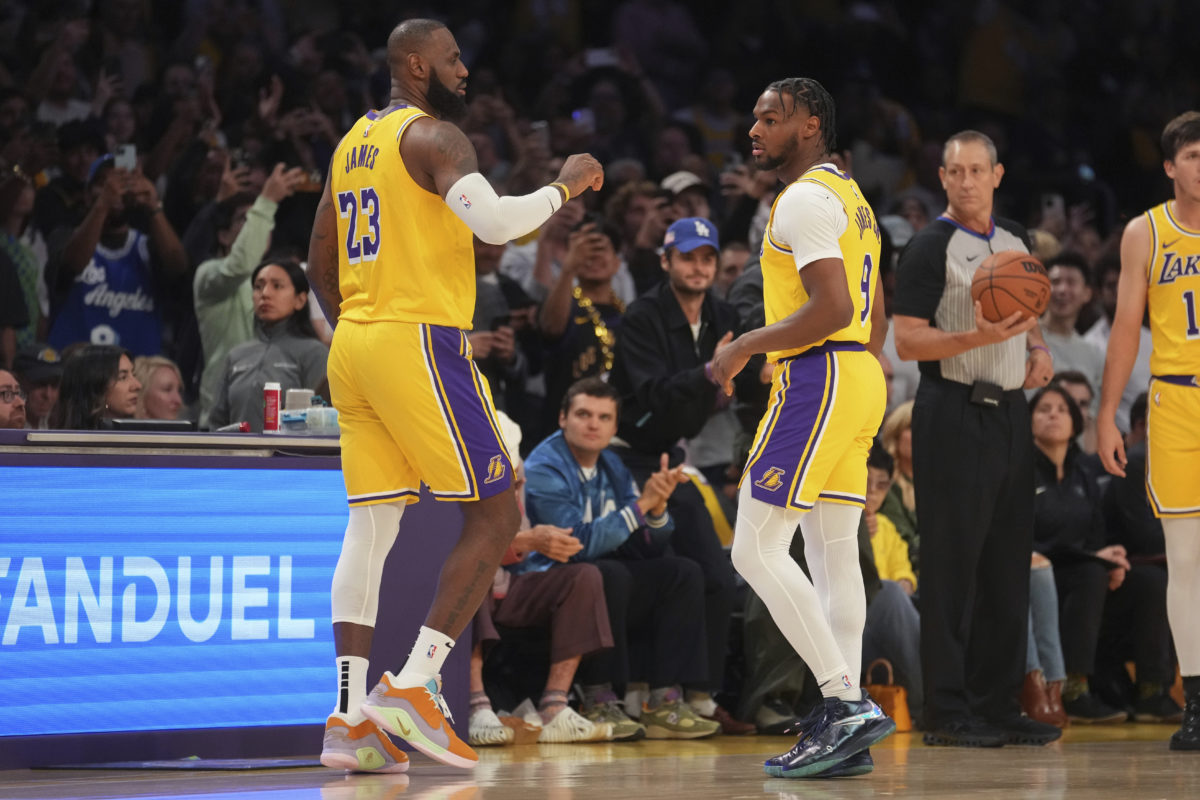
[982, 393]
[1179, 380]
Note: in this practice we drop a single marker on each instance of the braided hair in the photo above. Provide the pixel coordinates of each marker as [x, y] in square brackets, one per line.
[816, 99]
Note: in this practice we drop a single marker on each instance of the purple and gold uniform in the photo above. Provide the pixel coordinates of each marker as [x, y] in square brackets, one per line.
[828, 397]
[412, 406]
[1173, 410]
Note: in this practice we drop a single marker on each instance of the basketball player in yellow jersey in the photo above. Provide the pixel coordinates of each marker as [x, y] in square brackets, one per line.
[808, 463]
[1160, 267]
[392, 265]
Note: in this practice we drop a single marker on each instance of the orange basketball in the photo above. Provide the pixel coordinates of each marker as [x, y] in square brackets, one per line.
[1011, 281]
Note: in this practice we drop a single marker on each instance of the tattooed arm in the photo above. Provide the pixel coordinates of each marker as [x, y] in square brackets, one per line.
[323, 258]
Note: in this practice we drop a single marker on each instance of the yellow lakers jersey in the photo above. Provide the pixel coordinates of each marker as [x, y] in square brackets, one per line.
[783, 292]
[403, 255]
[1173, 294]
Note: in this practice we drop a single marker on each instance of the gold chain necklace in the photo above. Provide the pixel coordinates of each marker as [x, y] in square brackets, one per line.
[604, 336]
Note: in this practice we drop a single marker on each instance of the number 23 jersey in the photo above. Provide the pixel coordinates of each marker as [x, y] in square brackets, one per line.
[403, 255]
[820, 215]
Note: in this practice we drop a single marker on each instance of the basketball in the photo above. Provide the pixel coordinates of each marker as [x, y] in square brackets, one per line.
[1011, 281]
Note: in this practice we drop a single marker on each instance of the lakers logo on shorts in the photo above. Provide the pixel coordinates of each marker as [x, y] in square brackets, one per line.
[771, 480]
[495, 469]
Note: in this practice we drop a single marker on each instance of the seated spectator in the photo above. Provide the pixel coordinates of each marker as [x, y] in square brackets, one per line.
[576, 483]
[123, 247]
[1083, 393]
[662, 372]
[12, 401]
[582, 313]
[285, 347]
[1135, 615]
[1070, 291]
[734, 256]
[39, 369]
[688, 193]
[900, 505]
[1069, 530]
[98, 385]
[569, 599]
[162, 388]
[223, 296]
[891, 551]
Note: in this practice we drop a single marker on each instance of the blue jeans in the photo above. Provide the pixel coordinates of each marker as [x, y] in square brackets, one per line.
[1044, 648]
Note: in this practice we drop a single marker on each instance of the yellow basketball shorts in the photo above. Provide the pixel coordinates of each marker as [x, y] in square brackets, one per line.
[1173, 452]
[413, 408]
[812, 444]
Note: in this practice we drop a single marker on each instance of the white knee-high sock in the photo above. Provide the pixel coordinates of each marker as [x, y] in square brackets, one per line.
[760, 553]
[1183, 589]
[831, 549]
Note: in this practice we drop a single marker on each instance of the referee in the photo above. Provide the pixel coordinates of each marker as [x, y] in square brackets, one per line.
[972, 461]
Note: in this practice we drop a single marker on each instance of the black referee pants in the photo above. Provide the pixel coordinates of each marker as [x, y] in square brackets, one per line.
[973, 475]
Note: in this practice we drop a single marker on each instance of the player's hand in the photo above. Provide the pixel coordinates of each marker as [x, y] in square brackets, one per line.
[1014, 324]
[1110, 446]
[727, 361]
[1039, 369]
[554, 542]
[282, 182]
[581, 172]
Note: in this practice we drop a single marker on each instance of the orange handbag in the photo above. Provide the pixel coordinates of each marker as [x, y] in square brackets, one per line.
[891, 698]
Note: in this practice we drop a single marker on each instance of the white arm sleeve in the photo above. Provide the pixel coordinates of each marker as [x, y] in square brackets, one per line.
[499, 220]
[809, 219]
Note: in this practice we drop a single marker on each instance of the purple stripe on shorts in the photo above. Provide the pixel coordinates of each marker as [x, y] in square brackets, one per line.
[802, 411]
[856, 499]
[484, 454]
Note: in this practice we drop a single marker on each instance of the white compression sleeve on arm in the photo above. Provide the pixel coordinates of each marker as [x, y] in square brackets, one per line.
[498, 220]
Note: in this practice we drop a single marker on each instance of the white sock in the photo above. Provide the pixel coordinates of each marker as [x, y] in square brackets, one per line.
[1182, 536]
[636, 694]
[831, 549]
[760, 554]
[426, 659]
[702, 703]
[352, 688]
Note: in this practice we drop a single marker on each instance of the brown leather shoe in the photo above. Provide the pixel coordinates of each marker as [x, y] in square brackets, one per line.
[1054, 695]
[729, 725]
[1034, 700]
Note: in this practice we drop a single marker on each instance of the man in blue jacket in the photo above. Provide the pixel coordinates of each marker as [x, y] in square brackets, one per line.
[574, 482]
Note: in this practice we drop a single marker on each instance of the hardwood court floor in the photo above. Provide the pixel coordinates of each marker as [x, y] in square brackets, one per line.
[1130, 762]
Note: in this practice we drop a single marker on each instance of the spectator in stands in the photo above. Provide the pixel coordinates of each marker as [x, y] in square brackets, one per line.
[1070, 291]
[162, 388]
[890, 550]
[689, 194]
[576, 483]
[39, 369]
[13, 314]
[16, 208]
[642, 212]
[116, 255]
[221, 287]
[497, 353]
[12, 401]
[98, 385]
[721, 125]
[582, 314]
[734, 256]
[62, 203]
[1069, 530]
[663, 374]
[900, 504]
[1135, 616]
[285, 348]
[1083, 393]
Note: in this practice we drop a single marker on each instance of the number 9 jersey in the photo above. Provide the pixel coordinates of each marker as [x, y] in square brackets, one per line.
[820, 215]
[403, 256]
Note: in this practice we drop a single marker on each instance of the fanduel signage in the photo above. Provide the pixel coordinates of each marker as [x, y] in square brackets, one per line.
[146, 599]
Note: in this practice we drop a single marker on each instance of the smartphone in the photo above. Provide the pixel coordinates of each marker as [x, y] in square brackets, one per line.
[541, 131]
[497, 323]
[585, 120]
[125, 157]
[313, 182]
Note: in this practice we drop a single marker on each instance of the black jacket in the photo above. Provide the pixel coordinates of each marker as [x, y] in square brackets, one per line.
[659, 369]
[1068, 523]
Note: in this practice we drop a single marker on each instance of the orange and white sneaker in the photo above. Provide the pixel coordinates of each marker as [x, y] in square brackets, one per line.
[360, 748]
[420, 716]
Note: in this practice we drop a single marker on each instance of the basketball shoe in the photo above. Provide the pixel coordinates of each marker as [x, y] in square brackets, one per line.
[360, 748]
[419, 716]
[846, 728]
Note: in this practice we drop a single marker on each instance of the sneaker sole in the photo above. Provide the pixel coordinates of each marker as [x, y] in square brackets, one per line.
[1115, 719]
[636, 736]
[1184, 746]
[1152, 718]
[397, 722]
[350, 764]
[849, 772]
[1033, 741]
[656, 732]
[817, 767]
[933, 740]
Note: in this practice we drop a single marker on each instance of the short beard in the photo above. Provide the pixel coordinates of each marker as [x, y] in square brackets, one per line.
[446, 103]
[766, 162]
